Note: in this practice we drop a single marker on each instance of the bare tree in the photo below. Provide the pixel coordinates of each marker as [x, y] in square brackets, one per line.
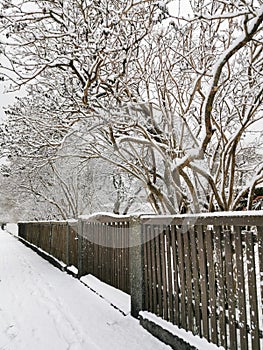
[168, 100]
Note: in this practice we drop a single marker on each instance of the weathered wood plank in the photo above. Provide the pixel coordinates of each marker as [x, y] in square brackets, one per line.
[188, 281]
[211, 285]
[159, 272]
[164, 272]
[170, 274]
[252, 286]
[203, 282]
[154, 271]
[230, 289]
[176, 301]
[196, 281]
[241, 291]
[181, 268]
[220, 284]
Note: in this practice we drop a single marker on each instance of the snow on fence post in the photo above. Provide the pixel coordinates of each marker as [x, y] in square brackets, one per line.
[136, 258]
[80, 247]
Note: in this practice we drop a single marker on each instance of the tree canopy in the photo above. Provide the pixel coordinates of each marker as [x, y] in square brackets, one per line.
[169, 100]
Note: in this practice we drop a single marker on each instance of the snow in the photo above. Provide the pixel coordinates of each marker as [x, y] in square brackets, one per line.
[217, 214]
[12, 228]
[119, 299]
[44, 308]
[73, 269]
[188, 337]
[98, 215]
[193, 152]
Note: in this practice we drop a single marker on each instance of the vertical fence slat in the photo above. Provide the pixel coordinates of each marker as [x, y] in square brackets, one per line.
[196, 279]
[146, 267]
[175, 275]
[96, 250]
[164, 272]
[188, 280]
[73, 244]
[119, 256]
[150, 267]
[220, 286]
[88, 247]
[203, 281]
[242, 314]
[154, 270]
[115, 265]
[159, 273]
[251, 270]
[211, 284]
[260, 257]
[230, 288]
[109, 255]
[170, 275]
[181, 266]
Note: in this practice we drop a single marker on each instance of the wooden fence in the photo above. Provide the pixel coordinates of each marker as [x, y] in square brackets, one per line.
[203, 273]
[59, 239]
[206, 277]
[99, 248]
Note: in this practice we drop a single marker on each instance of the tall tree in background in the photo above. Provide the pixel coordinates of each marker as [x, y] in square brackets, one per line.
[166, 99]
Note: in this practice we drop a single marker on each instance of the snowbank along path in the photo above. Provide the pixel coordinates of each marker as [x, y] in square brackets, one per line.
[45, 309]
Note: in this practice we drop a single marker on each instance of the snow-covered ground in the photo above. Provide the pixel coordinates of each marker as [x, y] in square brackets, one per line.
[43, 308]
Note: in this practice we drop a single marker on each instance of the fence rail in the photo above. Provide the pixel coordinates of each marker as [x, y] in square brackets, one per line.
[203, 273]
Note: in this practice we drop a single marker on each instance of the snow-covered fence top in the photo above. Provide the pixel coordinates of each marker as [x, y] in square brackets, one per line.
[201, 272]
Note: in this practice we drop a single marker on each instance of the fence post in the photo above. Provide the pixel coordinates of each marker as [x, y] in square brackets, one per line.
[80, 250]
[136, 267]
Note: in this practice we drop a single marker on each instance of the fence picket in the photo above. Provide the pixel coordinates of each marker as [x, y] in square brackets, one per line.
[170, 276]
[181, 267]
[188, 281]
[150, 263]
[159, 272]
[230, 288]
[203, 281]
[242, 315]
[220, 285]
[211, 285]
[196, 279]
[175, 276]
[260, 257]
[163, 271]
[251, 270]
[154, 271]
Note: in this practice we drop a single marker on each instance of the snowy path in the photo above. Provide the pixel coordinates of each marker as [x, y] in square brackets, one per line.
[45, 309]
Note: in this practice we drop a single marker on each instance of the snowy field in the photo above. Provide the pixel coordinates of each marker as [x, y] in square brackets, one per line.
[43, 308]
